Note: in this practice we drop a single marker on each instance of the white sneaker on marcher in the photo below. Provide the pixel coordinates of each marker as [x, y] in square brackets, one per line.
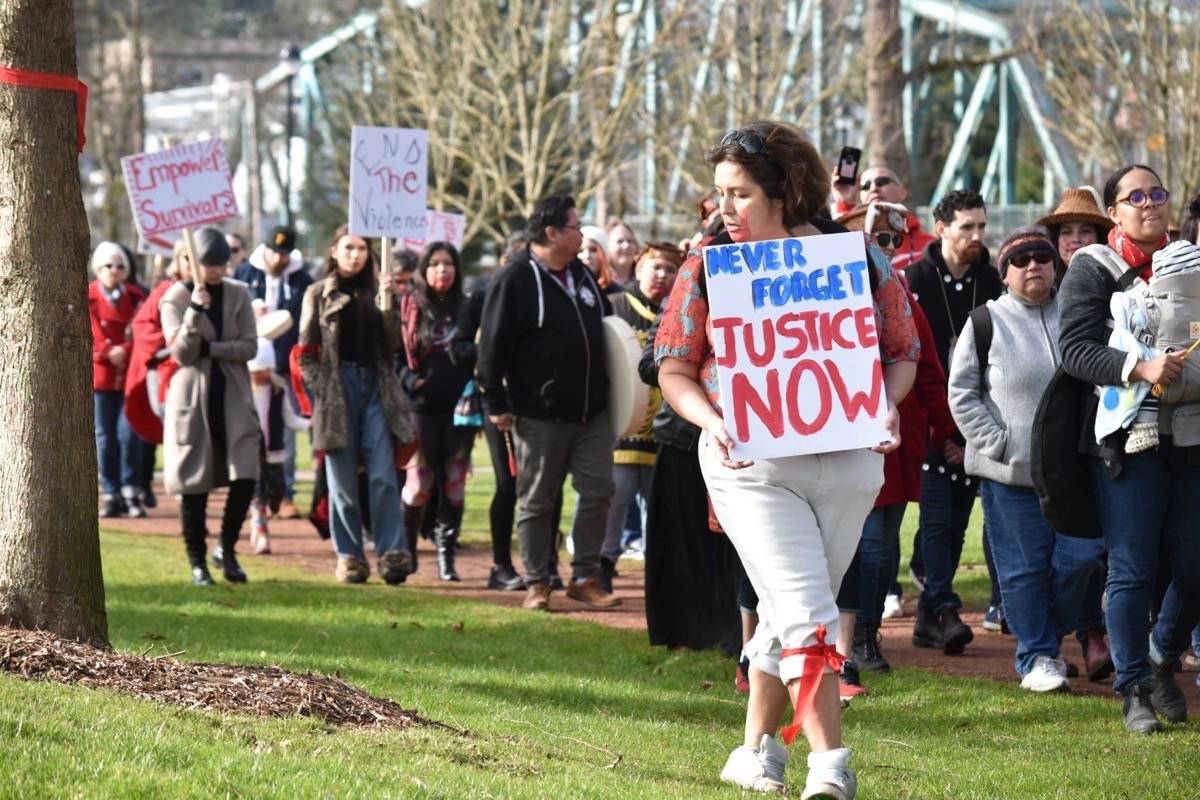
[759, 770]
[830, 777]
[1048, 675]
[892, 608]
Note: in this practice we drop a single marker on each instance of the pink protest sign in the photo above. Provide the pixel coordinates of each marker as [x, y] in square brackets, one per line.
[184, 187]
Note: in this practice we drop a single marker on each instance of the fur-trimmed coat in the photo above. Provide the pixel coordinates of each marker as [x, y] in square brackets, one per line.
[321, 368]
[187, 440]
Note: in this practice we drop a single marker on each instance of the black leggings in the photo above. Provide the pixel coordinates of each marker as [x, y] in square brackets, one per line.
[193, 516]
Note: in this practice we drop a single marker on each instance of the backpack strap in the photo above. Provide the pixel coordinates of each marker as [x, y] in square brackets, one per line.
[981, 324]
[1127, 278]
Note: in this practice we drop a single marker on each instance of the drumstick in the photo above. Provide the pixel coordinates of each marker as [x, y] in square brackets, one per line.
[512, 456]
[1158, 389]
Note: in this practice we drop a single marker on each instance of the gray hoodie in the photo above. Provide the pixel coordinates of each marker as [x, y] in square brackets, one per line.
[997, 417]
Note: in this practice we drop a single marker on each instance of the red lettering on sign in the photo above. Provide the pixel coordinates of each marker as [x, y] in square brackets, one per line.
[769, 413]
[859, 401]
[728, 357]
[824, 404]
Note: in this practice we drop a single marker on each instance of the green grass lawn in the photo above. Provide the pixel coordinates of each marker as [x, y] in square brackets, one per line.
[550, 704]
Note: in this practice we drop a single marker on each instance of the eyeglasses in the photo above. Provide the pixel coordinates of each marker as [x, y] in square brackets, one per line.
[1021, 261]
[879, 182]
[116, 267]
[1139, 199]
[887, 239]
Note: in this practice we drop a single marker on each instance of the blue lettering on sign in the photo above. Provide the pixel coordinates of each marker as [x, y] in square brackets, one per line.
[855, 270]
[795, 283]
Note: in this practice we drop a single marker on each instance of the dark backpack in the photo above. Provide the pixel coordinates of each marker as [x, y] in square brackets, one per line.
[1060, 472]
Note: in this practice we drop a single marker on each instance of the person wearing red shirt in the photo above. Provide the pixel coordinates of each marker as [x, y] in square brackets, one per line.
[882, 185]
[112, 302]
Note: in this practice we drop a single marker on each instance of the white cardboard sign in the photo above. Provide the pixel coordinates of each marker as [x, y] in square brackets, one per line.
[441, 226]
[388, 176]
[185, 186]
[794, 330]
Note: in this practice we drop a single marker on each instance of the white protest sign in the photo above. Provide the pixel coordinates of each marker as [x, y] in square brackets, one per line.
[388, 176]
[183, 187]
[797, 347]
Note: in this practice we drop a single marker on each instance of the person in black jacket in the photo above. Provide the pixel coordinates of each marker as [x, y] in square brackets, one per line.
[543, 378]
[434, 375]
[954, 277]
[275, 274]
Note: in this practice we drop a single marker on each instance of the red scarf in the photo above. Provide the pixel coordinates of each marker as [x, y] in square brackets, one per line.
[1130, 252]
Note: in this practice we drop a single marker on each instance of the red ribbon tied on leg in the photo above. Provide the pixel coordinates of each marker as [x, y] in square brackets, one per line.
[58, 83]
[816, 658]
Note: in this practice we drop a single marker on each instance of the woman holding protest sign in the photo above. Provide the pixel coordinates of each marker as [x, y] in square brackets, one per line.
[360, 414]
[794, 521]
[211, 434]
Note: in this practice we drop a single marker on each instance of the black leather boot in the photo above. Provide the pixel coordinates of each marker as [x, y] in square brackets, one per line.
[446, 535]
[1139, 711]
[867, 653]
[927, 632]
[1167, 696]
[956, 634]
[225, 559]
[412, 530]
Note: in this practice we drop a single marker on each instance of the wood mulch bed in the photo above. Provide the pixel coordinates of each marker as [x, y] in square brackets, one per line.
[220, 688]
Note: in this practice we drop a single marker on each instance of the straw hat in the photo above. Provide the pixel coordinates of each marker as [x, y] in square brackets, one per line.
[1079, 205]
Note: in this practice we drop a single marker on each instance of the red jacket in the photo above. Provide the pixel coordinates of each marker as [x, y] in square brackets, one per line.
[147, 341]
[110, 322]
[924, 417]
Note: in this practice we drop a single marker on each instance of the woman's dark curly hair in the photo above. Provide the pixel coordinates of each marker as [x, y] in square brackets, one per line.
[788, 167]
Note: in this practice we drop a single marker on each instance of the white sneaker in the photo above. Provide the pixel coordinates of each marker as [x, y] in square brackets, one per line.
[892, 608]
[1048, 675]
[759, 770]
[830, 784]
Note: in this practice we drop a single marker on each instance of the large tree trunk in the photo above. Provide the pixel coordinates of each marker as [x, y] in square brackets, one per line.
[885, 87]
[49, 544]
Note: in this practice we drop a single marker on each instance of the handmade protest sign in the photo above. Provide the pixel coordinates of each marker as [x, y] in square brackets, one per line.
[388, 176]
[185, 186]
[441, 226]
[797, 348]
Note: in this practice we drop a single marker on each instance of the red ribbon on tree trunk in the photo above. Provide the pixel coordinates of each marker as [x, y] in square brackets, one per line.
[58, 83]
[816, 658]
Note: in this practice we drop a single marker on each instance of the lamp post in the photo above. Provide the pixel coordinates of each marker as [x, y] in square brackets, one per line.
[291, 61]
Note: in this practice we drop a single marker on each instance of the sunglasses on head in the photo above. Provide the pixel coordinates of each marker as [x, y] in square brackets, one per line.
[887, 239]
[878, 182]
[752, 144]
[1139, 199]
[1021, 261]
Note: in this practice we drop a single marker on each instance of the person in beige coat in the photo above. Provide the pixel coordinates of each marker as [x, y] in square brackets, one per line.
[210, 427]
[348, 349]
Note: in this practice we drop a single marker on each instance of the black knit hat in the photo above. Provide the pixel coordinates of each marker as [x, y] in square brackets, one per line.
[1024, 240]
[211, 248]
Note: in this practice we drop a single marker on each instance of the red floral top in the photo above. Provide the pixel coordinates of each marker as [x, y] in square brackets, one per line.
[686, 331]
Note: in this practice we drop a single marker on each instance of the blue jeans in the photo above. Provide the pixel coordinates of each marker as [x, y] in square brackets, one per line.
[289, 444]
[628, 481]
[118, 449]
[368, 439]
[878, 555]
[1148, 510]
[945, 513]
[1042, 574]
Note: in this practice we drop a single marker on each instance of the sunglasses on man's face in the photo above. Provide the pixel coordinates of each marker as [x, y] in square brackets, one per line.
[887, 239]
[1022, 261]
[1139, 199]
[878, 182]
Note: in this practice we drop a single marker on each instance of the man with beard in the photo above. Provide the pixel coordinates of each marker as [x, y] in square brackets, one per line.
[953, 277]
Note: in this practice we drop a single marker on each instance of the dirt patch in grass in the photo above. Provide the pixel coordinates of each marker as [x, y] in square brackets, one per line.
[221, 688]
